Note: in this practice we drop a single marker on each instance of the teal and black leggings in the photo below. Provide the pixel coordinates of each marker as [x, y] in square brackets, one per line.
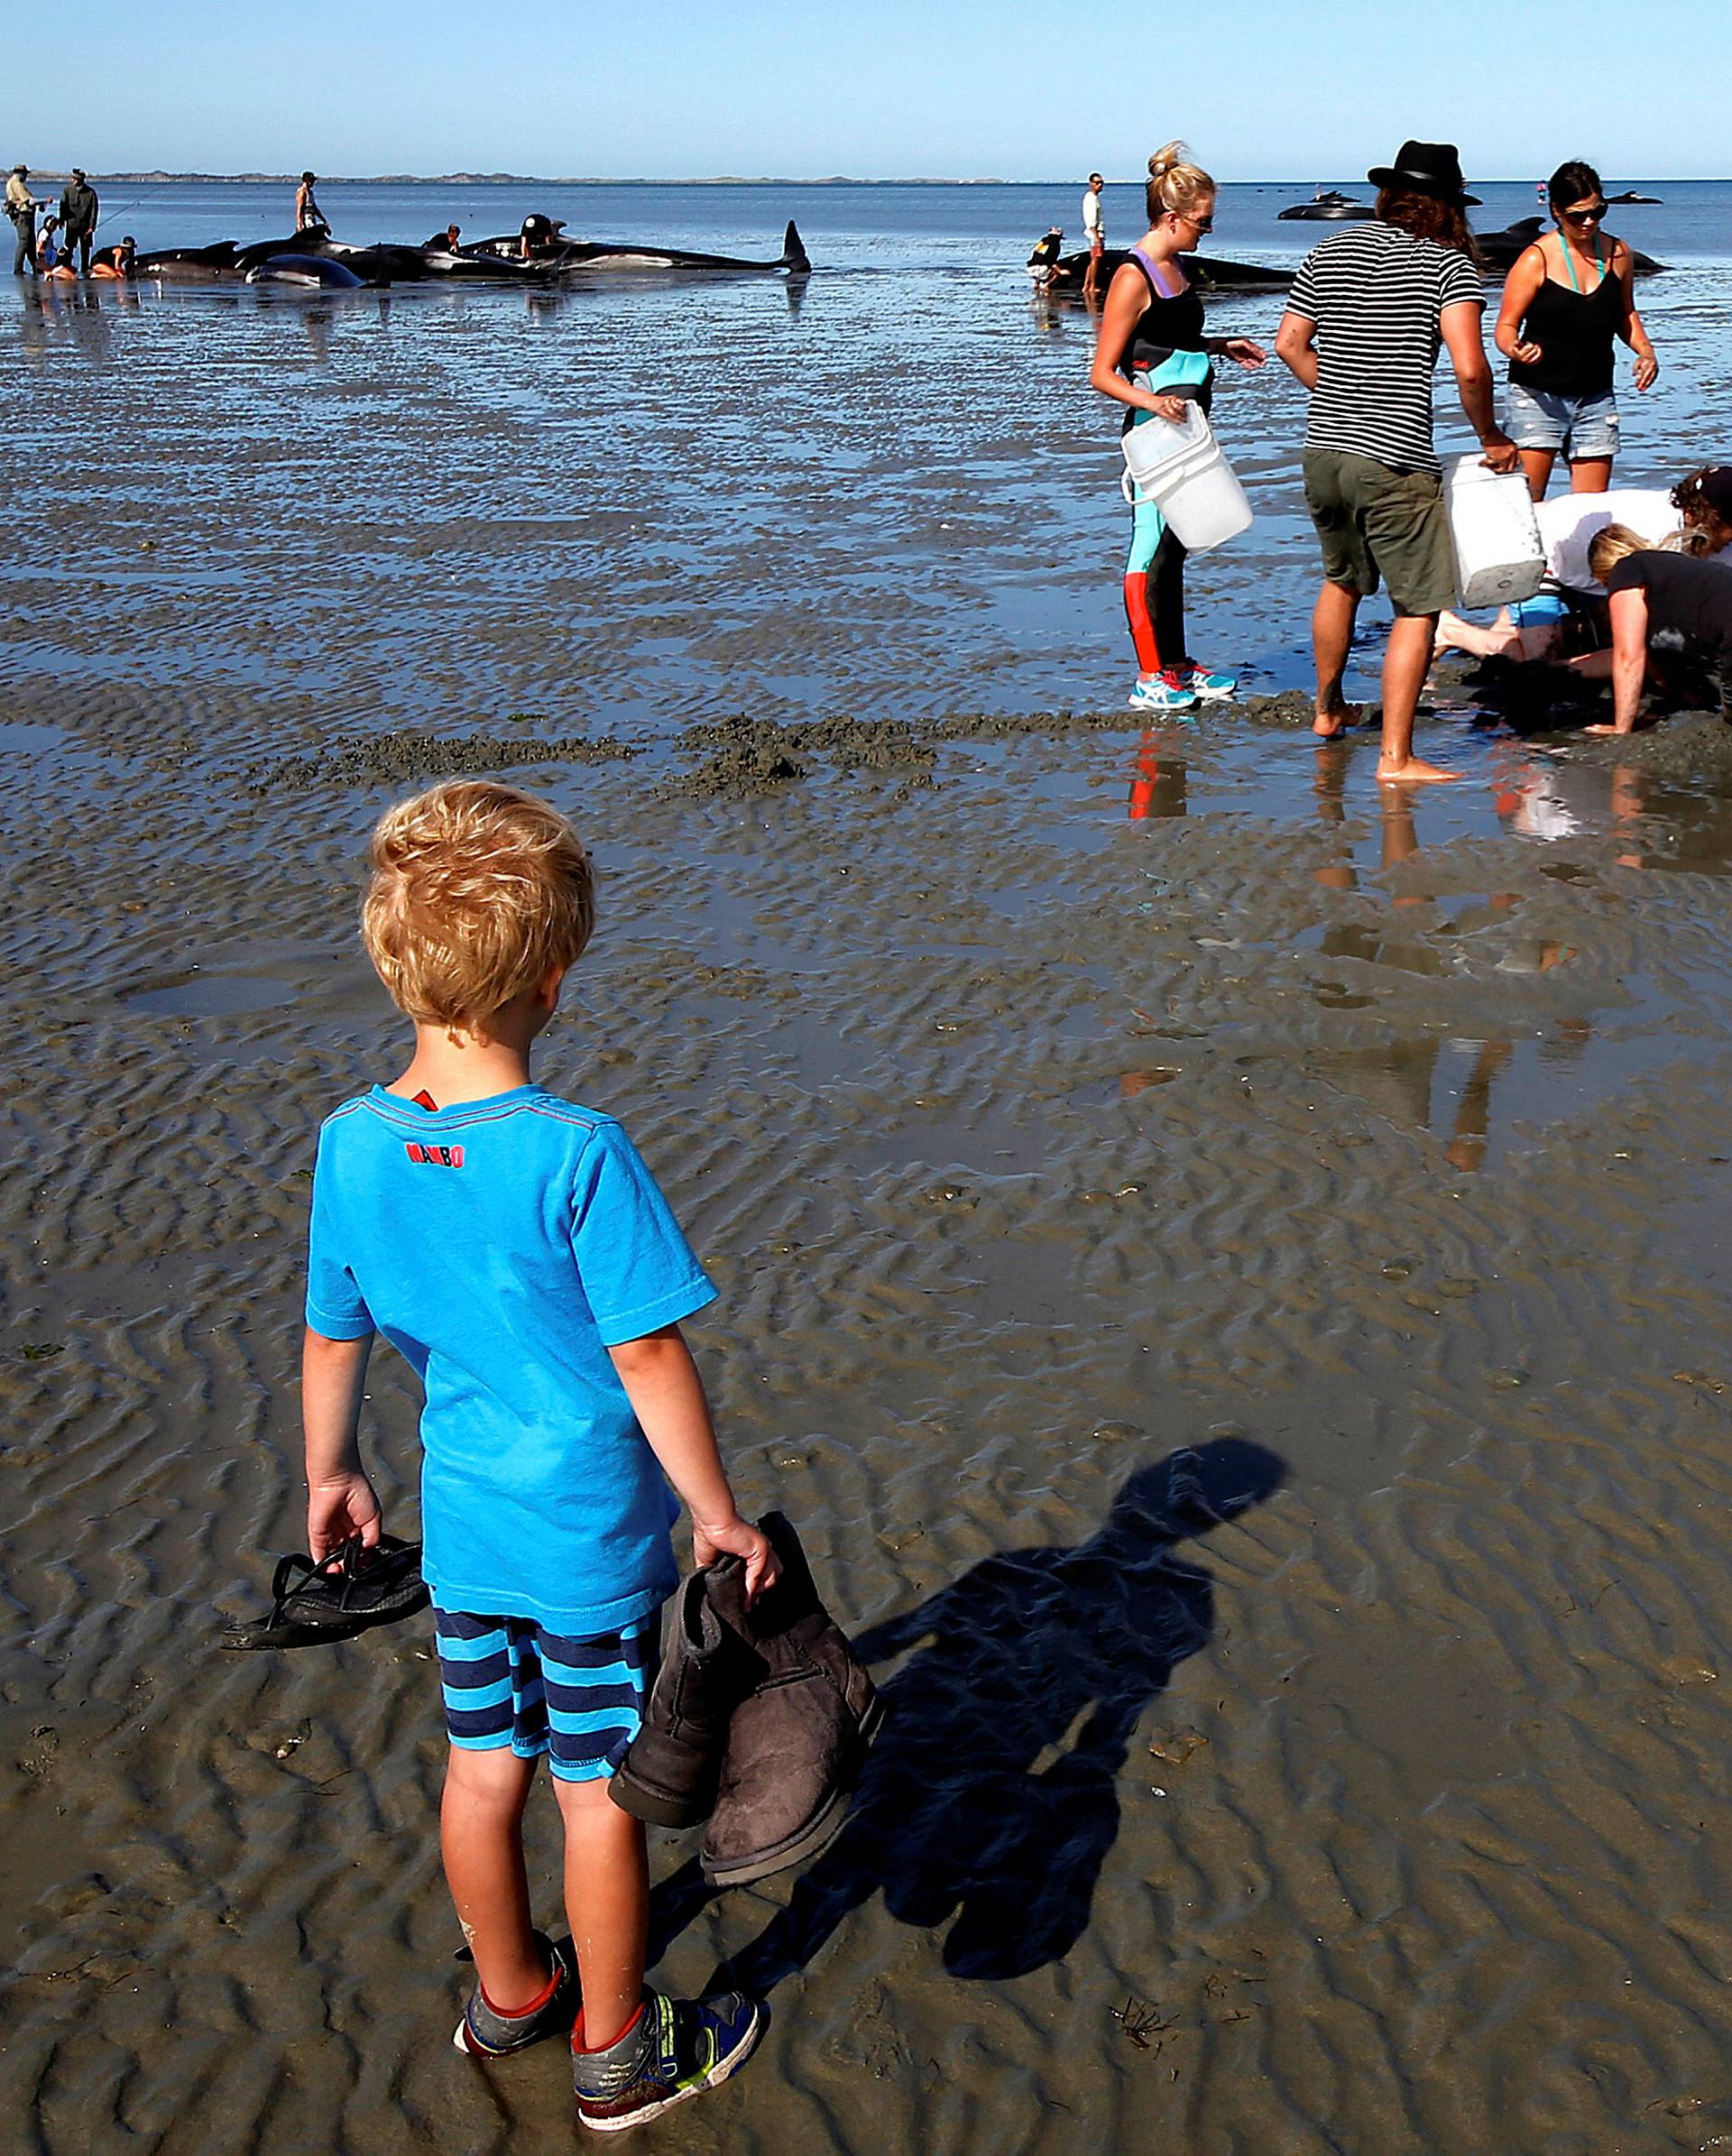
[1154, 568]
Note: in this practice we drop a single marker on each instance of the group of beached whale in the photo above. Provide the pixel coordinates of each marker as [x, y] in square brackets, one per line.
[537, 255]
[1061, 275]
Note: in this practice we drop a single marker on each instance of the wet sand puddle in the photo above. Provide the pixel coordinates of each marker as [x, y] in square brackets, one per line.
[1224, 1269]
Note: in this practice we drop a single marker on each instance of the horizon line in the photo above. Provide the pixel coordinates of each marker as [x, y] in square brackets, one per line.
[162, 178]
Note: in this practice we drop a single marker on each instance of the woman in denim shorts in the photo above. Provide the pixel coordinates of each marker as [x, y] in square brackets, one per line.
[1568, 298]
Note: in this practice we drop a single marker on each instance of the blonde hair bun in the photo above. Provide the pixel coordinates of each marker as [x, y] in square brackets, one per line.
[1175, 185]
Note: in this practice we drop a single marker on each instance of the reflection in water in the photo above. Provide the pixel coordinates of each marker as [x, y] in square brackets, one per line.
[1446, 959]
[1423, 1074]
[1158, 787]
[69, 314]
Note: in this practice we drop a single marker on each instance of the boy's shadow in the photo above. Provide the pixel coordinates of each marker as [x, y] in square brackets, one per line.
[991, 1796]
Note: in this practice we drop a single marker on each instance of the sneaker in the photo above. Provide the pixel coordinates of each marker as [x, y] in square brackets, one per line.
[485, 2033]
[1164, 693]
[1207, 688]
[675, 2049]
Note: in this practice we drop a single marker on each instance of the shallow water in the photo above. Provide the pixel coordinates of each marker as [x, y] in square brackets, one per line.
[1043, 1100]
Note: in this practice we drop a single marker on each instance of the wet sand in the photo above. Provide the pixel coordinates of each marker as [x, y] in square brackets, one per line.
[1048, 1099]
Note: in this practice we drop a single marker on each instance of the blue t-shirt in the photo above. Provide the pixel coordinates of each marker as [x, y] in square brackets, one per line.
[502, 1246]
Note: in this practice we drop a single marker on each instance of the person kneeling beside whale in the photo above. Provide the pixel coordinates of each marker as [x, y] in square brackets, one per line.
[1560, 623]
[1650, 590]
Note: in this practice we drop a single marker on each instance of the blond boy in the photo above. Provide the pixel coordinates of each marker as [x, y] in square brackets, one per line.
[516, 1250]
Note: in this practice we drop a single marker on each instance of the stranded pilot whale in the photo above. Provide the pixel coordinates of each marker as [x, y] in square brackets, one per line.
[1061, 275]
[547, 245]
[1498, 250]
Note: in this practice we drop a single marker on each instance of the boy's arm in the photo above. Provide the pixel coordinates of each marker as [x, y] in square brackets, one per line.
[340, 1500]
[666, 1395]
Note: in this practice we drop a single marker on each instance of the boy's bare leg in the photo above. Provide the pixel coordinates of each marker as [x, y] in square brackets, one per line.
[607, 1901]
[1495, 641]
[1405, 662]
[481, 1837]
[1331, 634]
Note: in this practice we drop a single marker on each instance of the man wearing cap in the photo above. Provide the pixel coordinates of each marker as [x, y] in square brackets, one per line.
[1364, 321]
[80, 210]
[20, 207]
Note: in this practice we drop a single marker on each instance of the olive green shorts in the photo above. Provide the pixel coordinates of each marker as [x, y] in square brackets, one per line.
[1373, 520]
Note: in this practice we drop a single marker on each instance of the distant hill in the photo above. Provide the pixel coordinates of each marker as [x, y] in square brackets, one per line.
[486, 180]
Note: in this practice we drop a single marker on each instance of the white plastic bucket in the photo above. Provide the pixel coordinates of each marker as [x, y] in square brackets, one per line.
[1178, 465]
[1494, 534]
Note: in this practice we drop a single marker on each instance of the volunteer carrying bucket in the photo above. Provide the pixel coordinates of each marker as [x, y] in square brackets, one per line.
[1177, 464]
[1494, 535]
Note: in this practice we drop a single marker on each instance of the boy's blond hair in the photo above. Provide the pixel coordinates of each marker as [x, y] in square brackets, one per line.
[1616, 543]
[478, 893]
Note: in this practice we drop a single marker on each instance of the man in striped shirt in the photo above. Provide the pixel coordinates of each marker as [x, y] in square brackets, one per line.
[1364, 321]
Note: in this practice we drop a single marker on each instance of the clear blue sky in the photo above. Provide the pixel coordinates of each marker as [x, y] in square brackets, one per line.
[1019, 89]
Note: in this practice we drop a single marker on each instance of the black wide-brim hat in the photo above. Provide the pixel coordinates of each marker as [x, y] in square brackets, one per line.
[1432, 167]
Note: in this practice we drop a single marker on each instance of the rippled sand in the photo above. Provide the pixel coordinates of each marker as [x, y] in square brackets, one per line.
[1047, 1100]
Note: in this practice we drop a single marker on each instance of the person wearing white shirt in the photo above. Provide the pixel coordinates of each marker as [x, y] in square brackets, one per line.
[1094, 232]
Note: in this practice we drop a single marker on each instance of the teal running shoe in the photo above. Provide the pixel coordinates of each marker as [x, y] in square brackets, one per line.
[675, 2049]
[485, 2033]
[1205, 686]
[1163, 694]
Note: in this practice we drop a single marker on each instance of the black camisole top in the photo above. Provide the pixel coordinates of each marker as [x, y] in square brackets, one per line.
[1575, 333]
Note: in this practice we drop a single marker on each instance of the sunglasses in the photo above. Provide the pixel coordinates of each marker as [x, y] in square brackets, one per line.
[1196, 224]
[1584, 216]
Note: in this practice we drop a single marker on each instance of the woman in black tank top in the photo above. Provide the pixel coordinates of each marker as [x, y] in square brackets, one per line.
[1567, 299]
[1152, 356]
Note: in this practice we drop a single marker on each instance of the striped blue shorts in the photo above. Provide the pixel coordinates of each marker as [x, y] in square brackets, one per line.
[508, 1681]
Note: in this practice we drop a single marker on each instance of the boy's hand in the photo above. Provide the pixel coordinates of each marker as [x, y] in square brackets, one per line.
[338, 1508]
[738, 1538]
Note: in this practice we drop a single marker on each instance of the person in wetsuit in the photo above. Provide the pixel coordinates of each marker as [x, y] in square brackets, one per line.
[1566, 299]
[1153, 357]
[1649, 590]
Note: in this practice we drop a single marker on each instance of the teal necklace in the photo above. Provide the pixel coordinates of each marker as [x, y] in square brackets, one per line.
[1569, 262]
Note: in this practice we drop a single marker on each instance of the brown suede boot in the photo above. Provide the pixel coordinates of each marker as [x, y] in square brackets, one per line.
[796, 1741]
[670, 1774]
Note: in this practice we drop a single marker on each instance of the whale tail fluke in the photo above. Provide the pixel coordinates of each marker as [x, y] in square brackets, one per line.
[794, 255]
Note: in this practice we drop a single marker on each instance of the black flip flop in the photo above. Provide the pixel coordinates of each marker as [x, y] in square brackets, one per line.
[349, 1592]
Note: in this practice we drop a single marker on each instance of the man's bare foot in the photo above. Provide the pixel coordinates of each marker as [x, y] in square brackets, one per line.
[1329, 725]
[1602, 727]
[1416, 771]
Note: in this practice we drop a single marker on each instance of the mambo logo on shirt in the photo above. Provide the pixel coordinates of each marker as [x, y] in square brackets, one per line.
[434, 1157]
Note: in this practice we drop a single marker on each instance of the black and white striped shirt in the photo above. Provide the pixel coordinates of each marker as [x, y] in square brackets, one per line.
[1376, 294]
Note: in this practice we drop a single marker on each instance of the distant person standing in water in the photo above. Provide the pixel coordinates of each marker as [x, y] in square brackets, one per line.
[1566, 299]
[1152, 356]
[1365, 318]
[1094, 232]
[20, 207]
[80, 210]
[308, 217]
